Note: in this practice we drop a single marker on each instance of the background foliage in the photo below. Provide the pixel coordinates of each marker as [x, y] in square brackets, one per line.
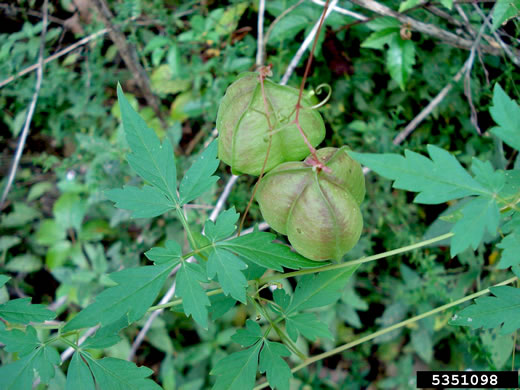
[61, 236]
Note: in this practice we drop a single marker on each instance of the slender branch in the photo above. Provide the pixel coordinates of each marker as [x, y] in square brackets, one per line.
[342, 11]
[391, 328]
[260, 35]
[30, 111]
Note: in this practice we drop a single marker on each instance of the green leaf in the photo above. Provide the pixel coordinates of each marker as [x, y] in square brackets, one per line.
[407, 4]
[118, 374]
[504, 10]
[383, 23]
[20, 374]
[479, 215]
[69, 211]
[307, 325]
[499, 346]
[437, 180]
[485, 174]
[228, 268]
[7, 242]
[24, 263]
[501, 310]
[3, 280]
[506, 113]
[154, 162]
[17, 341]
[319, 290]
[378, 39]
[288, 27]
[194, 298]
[447, 3]
[22, 312]
[259, 248]
[400, 59]
[223, 227]
[146, 202]
[198, 179]
[79, 376]
[248, 336]
[171, 251]
[136, 291]
[49, 232]
[511, 248]
[106, 336]
[271, 362]
[238, 370]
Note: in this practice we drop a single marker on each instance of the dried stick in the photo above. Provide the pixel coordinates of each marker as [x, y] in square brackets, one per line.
[30, 112]
[129, 55]
[260, 36]
[425, 28]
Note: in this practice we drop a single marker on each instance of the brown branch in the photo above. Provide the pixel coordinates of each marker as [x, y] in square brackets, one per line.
[129, 55]
[425, 28]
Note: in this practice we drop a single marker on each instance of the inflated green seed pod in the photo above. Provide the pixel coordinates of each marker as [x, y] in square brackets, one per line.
[244, 129]
[317, 210]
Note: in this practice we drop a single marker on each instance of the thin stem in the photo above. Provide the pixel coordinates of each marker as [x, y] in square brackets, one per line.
[184, 222]
[356, 262]
[391, 328]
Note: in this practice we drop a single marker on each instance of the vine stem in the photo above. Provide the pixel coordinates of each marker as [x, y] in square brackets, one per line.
[391, 328]
[329, 267]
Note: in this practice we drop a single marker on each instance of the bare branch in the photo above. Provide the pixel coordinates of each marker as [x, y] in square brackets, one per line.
[260, 39]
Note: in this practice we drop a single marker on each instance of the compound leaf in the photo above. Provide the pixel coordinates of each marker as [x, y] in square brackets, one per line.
[136, 290]
[501, 310]
[319, 290]
[106, 336]
[308, 325]
[228, 268]
[154, 162]
[171, 251]
[259, 248]
[194, 298]
[223, 227]
[271, 362]
[238, 370]
[198, 179]
[479, 215]
[437, 180]
[511, 248]
[145, 202]
[21, 311]
[248, 336]
[118, 374]
[506, 113]
[17, 341]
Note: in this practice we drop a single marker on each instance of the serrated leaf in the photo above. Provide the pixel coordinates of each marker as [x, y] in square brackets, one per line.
[259, 248]
[504, 10]
[378, 39]
[501, 310]
[511, 250]
[479, 215]
[248, 336]
[437, 180]
[154, 162]
[307, 325]
[238, 370]
[20, 374]
[198, 179]
[485, 174]
[171, 251]
[400, 59]
[136, 291]
[17, 341]
[228, 268]
[21, 311]
[146, 202]
[271, 362]
[506, 113]
[118, 374]
[194, 298]
[319, 290]
[79, 376]
[223, 227]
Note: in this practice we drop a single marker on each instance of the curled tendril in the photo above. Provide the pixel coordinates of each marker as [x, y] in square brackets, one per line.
[318, 90]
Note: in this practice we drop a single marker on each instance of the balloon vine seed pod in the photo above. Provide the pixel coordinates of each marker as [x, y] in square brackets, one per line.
[244, 131]
[318, 210]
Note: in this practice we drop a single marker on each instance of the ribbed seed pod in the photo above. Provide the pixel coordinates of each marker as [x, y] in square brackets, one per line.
[317, 210]
[244, 129]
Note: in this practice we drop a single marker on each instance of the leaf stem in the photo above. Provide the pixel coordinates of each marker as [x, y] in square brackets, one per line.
[184, 222]
[391, 328]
